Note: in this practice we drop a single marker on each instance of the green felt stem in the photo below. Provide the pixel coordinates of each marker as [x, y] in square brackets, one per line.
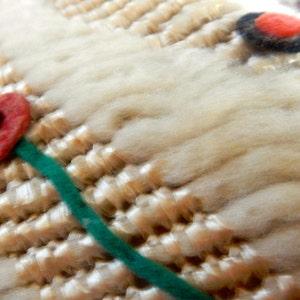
[141, 266]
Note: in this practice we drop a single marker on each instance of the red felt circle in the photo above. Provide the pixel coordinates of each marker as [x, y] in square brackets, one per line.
[14, 120]
[278, 25]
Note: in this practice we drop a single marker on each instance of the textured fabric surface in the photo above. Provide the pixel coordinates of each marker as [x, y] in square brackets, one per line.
[211, 203]
[89, 220]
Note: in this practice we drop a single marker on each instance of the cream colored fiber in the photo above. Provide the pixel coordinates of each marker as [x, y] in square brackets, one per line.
[181, 136]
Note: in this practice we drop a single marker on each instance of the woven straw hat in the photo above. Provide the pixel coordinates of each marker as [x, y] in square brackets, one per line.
[200, 192]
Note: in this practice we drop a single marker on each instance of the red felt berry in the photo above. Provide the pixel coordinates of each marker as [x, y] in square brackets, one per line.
[14, 120]
[278, 25]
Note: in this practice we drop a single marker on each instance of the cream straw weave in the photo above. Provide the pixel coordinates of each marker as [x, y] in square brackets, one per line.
[49, 251]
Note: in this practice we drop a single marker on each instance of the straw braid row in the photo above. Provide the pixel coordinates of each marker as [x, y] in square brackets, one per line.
[164, 22]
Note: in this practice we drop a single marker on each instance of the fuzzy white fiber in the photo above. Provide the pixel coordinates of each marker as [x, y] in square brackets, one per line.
[206, 120]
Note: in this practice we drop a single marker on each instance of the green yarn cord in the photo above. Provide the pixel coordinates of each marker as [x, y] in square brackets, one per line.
[141, 266]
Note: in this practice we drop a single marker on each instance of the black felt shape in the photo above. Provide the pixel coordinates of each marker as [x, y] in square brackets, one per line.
[245, 26]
